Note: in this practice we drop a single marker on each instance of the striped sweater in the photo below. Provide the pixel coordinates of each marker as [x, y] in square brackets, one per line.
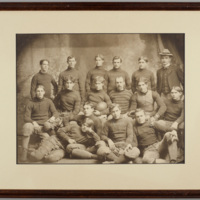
[122, 98]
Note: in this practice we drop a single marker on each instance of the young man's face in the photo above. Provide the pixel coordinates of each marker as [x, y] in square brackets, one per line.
[98, 85]
[142, 64]
[44, 66]
[166, 60]
[71, 62]
[88, 110]
[117, 63]
[69, 85]
[142, 87]
[99, 61]
[84, 127]
[140, 117]
[120, 84]
[116, 113]
[40, 93]
[175, 95]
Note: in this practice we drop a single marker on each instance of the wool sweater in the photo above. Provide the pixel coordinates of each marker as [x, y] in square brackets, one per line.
[97, 126]
[122, 98]
[97, 71]
[119, 130]
[79, 81]
[46, 80]
[175, 110]
[96, 96]
[68, 100]
[144, 73]
[146, 102]
[146, 135]
[38, 110]
[111, 78]
[74, 132]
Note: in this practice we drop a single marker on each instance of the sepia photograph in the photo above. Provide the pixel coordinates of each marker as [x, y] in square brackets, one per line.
[100, 98]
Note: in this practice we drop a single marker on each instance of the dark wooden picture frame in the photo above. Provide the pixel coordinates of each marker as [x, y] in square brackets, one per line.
[99, 193]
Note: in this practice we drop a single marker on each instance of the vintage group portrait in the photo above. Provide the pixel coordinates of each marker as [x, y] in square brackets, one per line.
[100, 98]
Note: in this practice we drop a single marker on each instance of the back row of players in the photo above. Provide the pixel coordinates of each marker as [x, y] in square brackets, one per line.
[112, 122]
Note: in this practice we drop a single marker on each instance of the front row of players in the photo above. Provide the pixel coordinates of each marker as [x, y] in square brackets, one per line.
[106, 131]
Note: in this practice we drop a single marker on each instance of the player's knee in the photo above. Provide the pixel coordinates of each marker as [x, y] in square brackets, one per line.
[103, 151]
[28, 129]
[70, 148]
[148, 160]
[47, 126]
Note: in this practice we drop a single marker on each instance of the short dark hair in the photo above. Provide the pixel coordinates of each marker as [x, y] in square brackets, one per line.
[70, 78]
[99, 56]
[177, 88]
[89, 122]
[70, 57]
[40, 86]
[114, 105]
[41, 61]
[117, 57]
[88, 103]
[139, 110]
[143, 58]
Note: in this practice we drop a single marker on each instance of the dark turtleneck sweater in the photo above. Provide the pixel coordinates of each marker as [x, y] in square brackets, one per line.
[145, 134]
[46, 80]
[97, 71]
[96, 96]
[68, 100]
[79, 81]
[175, 110]
[73, 131]
[113, 74]
[38, 110]
[143, 73]
[119, 130]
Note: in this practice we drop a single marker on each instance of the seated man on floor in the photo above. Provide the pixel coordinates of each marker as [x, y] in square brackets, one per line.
[80, 141]
[151, 150]
[37, 119]
[119, 136]
[68, 101]
[146, 99]
[72, 139]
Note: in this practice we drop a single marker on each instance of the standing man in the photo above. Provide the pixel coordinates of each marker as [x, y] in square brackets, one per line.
[117, 72]
[97, 71]
[71, 71]
[120, 95]
[36, 117]
[45, 79]
[143, 72]
[169, 75]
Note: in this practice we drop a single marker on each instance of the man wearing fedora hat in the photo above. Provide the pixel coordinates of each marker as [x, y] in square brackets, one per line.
[169, 75]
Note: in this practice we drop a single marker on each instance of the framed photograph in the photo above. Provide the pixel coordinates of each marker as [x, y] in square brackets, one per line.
[99, 100]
